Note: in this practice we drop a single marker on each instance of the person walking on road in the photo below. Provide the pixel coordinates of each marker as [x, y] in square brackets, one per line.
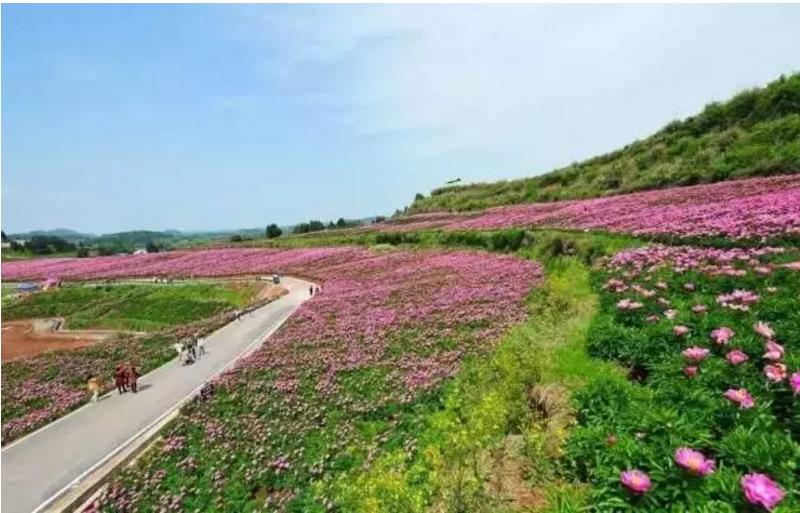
[310, 291]
[201, 346]
[316, 291]
[121, 378]
[93, 385]
[133, 377]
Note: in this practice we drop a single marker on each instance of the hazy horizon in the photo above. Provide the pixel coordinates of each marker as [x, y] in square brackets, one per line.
[222, 117]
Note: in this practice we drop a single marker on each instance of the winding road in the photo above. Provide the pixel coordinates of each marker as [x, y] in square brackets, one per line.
[43, 466]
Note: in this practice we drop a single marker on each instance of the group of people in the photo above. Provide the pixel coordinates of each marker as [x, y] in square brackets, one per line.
[190, 351]
[312, 290]
[126, 377]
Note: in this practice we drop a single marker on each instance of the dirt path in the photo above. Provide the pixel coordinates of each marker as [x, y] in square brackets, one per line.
[22, 339]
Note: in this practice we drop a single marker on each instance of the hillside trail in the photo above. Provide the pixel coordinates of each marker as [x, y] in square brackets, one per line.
[40, 467]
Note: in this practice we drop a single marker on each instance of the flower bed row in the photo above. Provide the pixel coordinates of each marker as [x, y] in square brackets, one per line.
[40, 389]
[345, 379]
[744, 209]
[710, 418]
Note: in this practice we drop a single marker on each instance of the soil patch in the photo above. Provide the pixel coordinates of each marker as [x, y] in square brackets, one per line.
[23, 339]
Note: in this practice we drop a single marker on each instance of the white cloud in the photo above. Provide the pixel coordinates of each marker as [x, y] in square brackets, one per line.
[541, 85]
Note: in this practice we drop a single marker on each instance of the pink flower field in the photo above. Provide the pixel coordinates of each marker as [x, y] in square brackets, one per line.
[744, 209]
[341, 377]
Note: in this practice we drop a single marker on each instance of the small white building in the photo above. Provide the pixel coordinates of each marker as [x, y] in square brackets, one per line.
[140, 252]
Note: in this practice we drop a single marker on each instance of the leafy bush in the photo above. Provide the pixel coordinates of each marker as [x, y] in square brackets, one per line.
[660, 310]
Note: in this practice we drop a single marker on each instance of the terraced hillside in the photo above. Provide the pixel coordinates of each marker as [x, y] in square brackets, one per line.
[756, 133]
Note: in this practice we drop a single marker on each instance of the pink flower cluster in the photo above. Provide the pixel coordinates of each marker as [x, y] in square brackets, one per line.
[753, 208]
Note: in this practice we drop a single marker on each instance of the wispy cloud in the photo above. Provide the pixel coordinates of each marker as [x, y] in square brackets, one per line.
[541, 84]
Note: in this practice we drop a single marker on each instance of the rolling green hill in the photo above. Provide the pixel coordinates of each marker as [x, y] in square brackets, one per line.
[755, 133]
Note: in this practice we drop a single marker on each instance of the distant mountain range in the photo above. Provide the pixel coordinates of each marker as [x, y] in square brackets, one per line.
[144, 236]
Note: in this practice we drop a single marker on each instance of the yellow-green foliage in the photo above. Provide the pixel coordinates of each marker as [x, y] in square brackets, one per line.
[492, 402]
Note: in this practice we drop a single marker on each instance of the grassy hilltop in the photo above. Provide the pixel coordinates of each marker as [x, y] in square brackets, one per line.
[756, 133]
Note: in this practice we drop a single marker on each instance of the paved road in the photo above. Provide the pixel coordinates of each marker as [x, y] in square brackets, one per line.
[41, 465]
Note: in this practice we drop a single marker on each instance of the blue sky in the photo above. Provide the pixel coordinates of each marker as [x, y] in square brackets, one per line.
[120, 117]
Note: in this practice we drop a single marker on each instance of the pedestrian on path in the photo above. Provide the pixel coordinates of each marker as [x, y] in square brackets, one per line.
[193, 349]
[179, 350]
[93, 385]
[121, 378]
[201, 346]
[316, 291]
[310, 291]
[133, 377]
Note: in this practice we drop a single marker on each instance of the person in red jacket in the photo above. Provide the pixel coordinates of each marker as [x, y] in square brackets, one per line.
[133, 377]
[121, 378]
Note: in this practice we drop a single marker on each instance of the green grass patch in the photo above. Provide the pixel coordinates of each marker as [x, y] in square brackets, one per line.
[129, 307]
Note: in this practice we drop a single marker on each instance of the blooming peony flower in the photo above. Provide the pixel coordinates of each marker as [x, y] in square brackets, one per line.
[627, 304]
[736, 357]
[661, 285]
[774, 351]
[794, 382]
[775, 373]
[690, 370]
[740, 397]
[763, 329]
[772, 290]
[722, 335]
[699, 308]
[760, 489]
[670, 314]
[694, 461]
[689, 286]
[695, 353]
[653, 318]
[680, 330]
[636, 481]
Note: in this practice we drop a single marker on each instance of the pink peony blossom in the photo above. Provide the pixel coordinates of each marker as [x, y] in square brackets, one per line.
[694, 461]
[661, 285]
[774, 351]
[736, 357]
[775, 373]
[680, 330]
[636, 481]
[653, 318]
[763, 329]
[722, 335]
[760, 489]
[690, 370]
[699, 308]
[794, 382]
[740, 397]
[627, 304]
[670, 314]
[689, 286]
[695, 354]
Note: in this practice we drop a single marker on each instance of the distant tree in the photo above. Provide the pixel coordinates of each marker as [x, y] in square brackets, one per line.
[273, 231]
[380, 219]
[152, 247]
[105, 250]
[341, 223]
[47, 244]
[82, 252]
[419, 196]
[311, 226]
[16, 246]
[5, 239]
[236, 238]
